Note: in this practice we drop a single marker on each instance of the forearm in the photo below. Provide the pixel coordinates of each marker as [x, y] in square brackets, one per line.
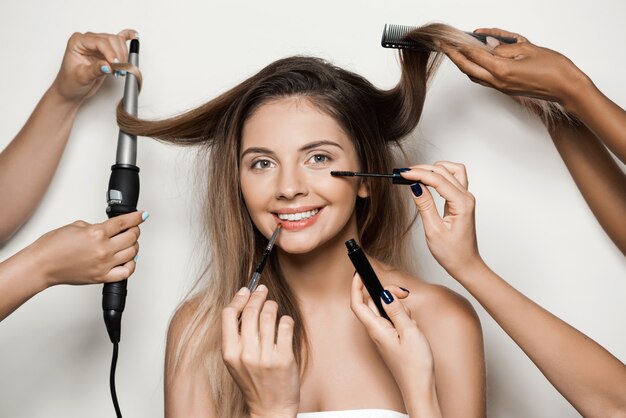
[602, 116]
[598, 177]
[587, 375]
[20, 279]
[28, 163]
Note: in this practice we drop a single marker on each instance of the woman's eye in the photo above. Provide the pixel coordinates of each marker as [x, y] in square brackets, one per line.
[319, 159]
[261, 164]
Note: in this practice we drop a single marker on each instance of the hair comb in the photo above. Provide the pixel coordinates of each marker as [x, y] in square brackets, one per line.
[394, 36]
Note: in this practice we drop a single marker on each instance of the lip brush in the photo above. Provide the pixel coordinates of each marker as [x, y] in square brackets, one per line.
[254, 280]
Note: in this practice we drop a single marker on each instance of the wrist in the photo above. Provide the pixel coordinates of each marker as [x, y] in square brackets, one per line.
[460, 271]
[39, 267]
[470, 271]
[29, 262]
[577, 93]
[55, 95]
[422, 402]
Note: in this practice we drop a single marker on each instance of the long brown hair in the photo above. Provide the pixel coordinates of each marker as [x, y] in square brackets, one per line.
[376, 120]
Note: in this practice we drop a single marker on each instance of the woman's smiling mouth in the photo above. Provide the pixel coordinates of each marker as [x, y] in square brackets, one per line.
[294, 219]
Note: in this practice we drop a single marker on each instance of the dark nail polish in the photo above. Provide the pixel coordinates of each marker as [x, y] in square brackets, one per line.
[406, 290]
[386, 296]
[416, 189]
[404, 170]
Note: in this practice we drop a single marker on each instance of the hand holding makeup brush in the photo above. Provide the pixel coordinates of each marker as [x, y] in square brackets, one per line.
[401, 344]
[260, 357]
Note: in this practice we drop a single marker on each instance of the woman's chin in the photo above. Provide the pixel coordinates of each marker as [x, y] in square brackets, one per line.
[291, 245]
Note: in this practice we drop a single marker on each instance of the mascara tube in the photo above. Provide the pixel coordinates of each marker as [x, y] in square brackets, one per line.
[368, 276]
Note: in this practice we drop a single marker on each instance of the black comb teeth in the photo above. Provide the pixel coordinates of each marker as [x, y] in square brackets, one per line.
[394, 36]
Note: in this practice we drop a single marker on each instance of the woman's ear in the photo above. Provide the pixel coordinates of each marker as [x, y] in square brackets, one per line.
[364, 189]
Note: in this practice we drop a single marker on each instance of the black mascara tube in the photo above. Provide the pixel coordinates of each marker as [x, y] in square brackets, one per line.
[368, 276]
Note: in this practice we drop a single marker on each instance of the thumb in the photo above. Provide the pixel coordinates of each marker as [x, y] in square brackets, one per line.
[89, 73]
[396, 312]
[426, 206]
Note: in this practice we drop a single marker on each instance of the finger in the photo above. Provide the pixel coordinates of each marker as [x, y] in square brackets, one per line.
[128, 34]
[431, 219]
[501, 32]
[363, 312]
[457, 170]
[401, 294]
[472, 69]
[483, 58]
[125, 255]
[397, 314]
[512, 51]
[126, 239]
[443, 171]
[121, 223]
[397, 291]
[95, 45]
[250, 316]
[120, 272]
[446, 188]
[458, 201]
[284, 339]
[119, 47]
[230, 323]
[94, 71]
[267, 327]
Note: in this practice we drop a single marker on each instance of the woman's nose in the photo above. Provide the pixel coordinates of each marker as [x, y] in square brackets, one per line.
[291, 182]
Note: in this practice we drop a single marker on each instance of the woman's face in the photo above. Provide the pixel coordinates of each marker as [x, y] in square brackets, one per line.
[288, 148]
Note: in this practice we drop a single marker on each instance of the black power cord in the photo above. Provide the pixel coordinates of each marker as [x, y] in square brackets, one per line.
[118, 413]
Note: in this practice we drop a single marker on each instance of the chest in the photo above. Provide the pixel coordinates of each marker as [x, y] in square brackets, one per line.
[344, 369]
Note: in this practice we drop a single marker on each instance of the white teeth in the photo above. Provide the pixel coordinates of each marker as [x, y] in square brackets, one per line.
[297, 216]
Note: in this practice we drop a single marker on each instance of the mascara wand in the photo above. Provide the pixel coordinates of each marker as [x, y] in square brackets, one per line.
[395, 177]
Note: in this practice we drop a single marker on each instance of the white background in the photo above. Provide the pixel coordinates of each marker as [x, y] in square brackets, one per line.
[534, 227]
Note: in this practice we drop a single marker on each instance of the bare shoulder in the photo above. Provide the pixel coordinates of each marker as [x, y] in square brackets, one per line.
[187, 386]
[431, 304]
[181, 318]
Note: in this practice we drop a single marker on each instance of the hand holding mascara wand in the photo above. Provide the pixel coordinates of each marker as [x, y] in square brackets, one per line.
[256, 276]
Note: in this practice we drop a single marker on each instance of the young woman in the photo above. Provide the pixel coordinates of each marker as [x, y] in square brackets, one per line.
[271, 143]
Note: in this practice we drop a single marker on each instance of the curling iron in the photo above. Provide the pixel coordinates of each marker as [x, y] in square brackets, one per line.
[122, 196]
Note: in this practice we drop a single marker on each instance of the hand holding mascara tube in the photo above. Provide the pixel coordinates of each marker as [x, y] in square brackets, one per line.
[401, 344]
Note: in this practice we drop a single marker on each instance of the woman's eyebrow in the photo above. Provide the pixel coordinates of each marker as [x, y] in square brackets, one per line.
[256, 150]
[312, 145]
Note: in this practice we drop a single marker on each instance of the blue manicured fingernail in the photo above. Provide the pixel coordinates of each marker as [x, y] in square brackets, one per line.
[404, 170]
[105, 69]
[123, 72]
[116, 74]
[416, 189]
[136, 257]
[145, 215]
[386, 296]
